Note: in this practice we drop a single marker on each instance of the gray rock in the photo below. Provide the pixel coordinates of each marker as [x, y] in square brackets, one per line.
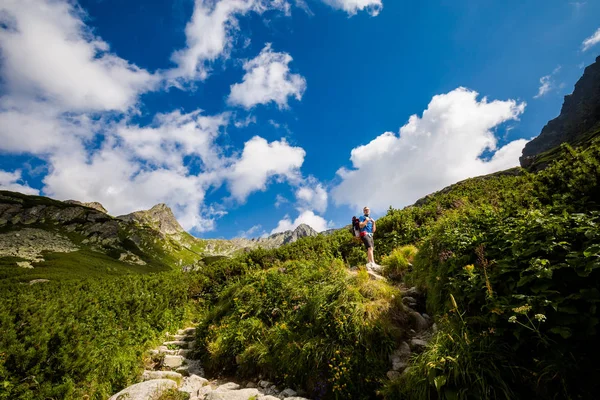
[242, 394]
[409, 301]
[264, 384]
[296, 398]
[421, 323]
[33, 282]
[418, 344]
[173, 361]
[24, 264]
[288, 393]
[174, 376]
[193, 384]
[251, 385]
[227, 386]
[145, 390]
[412, 292]
[268, 397]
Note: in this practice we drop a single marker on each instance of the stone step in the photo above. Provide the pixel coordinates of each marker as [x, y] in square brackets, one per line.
[145, 390]
[180, 343]
[187, 331]
[173, 361]
[182, 338]
[172, 375]
[183, 352]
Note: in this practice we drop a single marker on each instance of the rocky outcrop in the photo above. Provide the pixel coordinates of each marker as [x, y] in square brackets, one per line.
[94, 204]
[29, 244]
[579, 117]
[160, 217]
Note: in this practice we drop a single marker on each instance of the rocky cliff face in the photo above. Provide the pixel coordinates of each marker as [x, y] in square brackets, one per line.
[578, 119]
[94, 204]
[160, 217]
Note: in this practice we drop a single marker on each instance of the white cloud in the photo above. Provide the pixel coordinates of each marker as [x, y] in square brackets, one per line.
[11, 181]
[547, 83]
[591, 41]
[280, 200]
[442, 147]
[545, 86]
[307, 217]
[210, 34]
[48, 52]
[312, 196]
[261, 160]
[373, 7]
[267, 79]
[254, 231]
[250, 119]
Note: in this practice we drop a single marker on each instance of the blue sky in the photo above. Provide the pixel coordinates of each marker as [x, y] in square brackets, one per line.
[251, 116]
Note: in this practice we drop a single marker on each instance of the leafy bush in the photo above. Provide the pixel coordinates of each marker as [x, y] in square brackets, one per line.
[306, 324]
[398, 261]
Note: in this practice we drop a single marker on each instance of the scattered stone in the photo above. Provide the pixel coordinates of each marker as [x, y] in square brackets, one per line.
[173, 361]
[179, 343]
[288, 393]
[412, 292]
[145, 390]
[251, 385]
[409, 301]
[268, 397]
[24, 264]
[264, 384]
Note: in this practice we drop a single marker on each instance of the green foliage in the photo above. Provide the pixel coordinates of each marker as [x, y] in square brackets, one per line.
[398, 261]
[72, 339]
[304, 323]
[526, 278]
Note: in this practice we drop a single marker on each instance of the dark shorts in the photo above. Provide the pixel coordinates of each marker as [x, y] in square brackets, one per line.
[368, 241]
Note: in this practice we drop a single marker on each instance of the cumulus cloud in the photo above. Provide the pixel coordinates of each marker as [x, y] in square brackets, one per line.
[260, 161]
[307, 217]
[49, 53]
[442, 147]
[373, 7]
[267, 78]
[312, 196]
[591, 41]
[12, 181]
[210, 34]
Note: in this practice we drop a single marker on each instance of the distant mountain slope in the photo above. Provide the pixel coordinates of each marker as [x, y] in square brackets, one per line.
[579, 118]
[40, 235]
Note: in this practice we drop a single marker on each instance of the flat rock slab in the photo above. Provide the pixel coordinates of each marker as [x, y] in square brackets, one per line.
[174, 376]
[145, 390]
[173, 361]
[193, 385]
[227, 386]
[242, 394]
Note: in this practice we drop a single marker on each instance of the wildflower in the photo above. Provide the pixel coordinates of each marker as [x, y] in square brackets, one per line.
[454, 302]
[523, 309]
[469, 269]
[513, 319]
[540, 317]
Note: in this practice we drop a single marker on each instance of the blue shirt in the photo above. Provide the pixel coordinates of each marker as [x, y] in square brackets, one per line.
[369, 227]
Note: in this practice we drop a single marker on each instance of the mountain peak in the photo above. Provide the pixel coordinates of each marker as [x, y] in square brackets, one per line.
[160, 217]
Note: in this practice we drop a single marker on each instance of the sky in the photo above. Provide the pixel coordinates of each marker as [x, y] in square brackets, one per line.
[249, 117]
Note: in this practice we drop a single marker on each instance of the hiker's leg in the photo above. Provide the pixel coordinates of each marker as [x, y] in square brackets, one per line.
[370, 254]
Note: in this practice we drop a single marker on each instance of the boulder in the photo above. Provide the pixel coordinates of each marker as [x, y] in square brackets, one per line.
[145, 390]
[242, 394]
[264, 384]
[393, 375]
[421, 323]
[193, 384]
[409, 301]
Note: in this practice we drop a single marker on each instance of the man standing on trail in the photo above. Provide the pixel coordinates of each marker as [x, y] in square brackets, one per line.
[367, 229]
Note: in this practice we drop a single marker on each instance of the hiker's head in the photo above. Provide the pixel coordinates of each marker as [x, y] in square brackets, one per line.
[366, 211]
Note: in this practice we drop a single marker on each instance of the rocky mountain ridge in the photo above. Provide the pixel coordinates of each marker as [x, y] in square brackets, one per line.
[579, 118]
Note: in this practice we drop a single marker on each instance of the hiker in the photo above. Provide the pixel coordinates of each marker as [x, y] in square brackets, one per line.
[367, 228]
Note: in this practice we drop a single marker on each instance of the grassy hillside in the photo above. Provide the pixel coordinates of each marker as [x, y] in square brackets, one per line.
[509, 263]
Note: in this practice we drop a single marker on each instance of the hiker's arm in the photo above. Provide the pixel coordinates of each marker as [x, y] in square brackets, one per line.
[374, 227]
[363, 224]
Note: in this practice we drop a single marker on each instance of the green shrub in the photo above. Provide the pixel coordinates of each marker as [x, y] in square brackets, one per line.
[398, 261]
